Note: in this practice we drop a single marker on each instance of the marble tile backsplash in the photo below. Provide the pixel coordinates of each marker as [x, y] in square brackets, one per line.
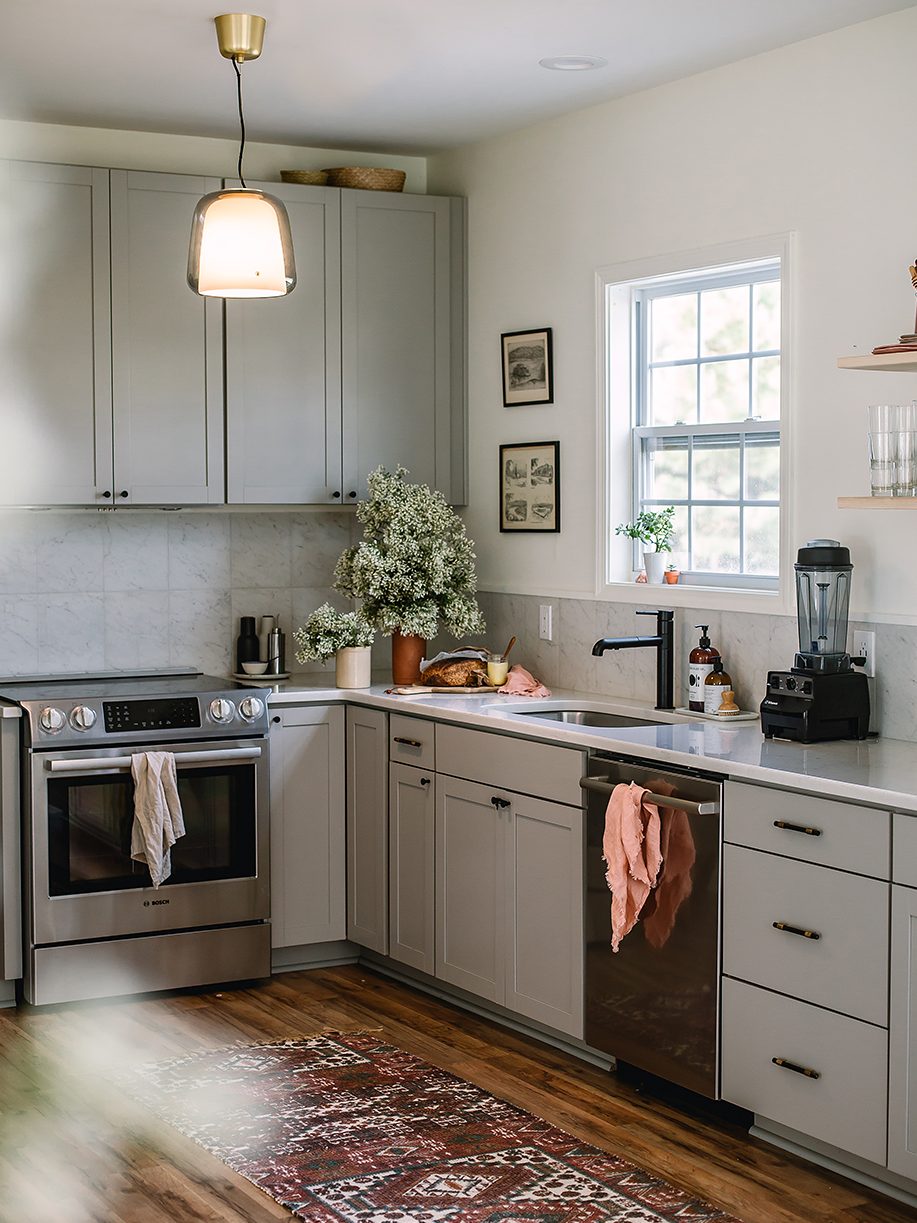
[83, 591]
[750, 644]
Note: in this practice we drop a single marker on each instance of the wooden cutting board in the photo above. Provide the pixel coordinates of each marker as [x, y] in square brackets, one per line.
[433, 690]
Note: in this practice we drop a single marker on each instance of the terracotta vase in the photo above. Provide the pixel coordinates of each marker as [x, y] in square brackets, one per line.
[407, 652]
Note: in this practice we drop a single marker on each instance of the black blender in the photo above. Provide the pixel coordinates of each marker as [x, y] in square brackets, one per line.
[822, 696]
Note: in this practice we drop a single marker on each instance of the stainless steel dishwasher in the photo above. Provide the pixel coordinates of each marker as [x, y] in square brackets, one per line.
[654, 1004]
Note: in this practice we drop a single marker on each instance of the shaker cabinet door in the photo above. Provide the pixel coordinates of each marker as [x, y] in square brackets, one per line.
[411, 817]
[403, 339]
[55, 324]
[902, 1036]
[167, 347]
[470, 848]
[307, 833]
[367, 828]
[283, 368]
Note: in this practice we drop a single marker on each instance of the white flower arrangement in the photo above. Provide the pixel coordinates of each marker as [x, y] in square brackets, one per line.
[414, 567]
[328, 630]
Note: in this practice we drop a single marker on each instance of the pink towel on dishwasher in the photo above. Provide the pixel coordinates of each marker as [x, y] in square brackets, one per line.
[631, 849]
[520, 682]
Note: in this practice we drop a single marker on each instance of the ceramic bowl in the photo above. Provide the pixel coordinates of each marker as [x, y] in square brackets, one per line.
[254, 668]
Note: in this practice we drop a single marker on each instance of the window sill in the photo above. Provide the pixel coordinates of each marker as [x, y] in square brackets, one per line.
[712, 598]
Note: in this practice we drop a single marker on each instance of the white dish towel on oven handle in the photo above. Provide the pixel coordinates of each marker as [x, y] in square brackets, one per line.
[158, 821]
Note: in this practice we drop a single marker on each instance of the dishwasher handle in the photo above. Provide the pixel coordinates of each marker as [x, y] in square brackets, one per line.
[604, 785]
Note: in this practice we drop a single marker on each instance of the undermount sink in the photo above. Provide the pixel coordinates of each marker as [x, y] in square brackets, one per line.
[588, 717]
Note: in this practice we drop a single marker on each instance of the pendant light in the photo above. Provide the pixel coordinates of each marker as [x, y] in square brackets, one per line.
[240, 237]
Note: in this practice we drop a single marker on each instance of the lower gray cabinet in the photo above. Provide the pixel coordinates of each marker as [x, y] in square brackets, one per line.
[902, 1087]
[411, 818]
[307, 835]
[509, 923]
[367, 828]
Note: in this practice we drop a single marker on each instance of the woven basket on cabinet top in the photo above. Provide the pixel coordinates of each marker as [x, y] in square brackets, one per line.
[366, 178]
[310, 178]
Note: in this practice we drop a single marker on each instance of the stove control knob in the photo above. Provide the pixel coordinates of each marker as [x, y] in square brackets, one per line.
[82, 717]
[51, 720]
[222, 710]
[251, 708]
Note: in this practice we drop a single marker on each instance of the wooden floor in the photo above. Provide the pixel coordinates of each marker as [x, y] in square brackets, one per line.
[73, 1148]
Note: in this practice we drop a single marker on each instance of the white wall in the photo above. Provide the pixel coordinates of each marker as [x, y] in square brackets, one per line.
[97, 146]
[811, 138]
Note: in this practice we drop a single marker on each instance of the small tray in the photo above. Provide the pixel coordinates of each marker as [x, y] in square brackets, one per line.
[744, 716]
[261, 679]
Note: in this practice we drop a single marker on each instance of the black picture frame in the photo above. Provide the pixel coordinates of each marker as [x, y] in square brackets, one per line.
[530, 487]
[528, 367]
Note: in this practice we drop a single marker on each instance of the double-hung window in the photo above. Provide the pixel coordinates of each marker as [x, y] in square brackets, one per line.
[705, 352]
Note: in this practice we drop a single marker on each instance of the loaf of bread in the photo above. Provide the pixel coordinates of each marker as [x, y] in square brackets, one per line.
[456, 673]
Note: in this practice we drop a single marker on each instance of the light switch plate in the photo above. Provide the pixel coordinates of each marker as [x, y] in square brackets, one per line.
[546, 621]
[864, 646]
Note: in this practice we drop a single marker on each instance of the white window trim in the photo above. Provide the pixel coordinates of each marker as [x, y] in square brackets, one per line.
[614, 481]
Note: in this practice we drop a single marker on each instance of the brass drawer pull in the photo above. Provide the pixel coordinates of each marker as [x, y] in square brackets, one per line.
[809, 832]
[782, 925]
[785, 1065]
[409, 742]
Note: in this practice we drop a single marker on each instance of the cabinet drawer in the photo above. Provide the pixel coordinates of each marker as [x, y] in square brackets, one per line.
[540, 769]
[844, 968]
[410, 741]
[904, 849]
[845, 1106]
[818, 830]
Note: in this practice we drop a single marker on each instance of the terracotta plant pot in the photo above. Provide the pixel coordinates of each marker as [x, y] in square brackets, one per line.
[671, 576]
[407, 652]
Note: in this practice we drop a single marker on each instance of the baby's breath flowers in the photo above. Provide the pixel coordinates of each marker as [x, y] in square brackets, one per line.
[328, 630]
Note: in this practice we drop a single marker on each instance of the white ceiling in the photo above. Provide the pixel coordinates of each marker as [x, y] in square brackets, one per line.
[410, 76]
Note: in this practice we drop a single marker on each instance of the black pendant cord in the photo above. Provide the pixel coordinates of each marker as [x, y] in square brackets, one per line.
[235, 64]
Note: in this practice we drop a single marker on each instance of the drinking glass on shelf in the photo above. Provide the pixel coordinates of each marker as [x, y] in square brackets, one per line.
[906, 476]
[883, 463]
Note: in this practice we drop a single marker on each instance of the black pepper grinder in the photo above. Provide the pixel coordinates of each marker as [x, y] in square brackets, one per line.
[247, 644]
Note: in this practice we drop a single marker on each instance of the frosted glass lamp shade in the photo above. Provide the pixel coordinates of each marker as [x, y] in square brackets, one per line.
[241, 246]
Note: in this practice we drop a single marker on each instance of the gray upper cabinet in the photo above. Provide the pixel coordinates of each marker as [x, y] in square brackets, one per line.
[283, 366]
[402, 303]
[167, 347]
[55, 394]
[113, 369]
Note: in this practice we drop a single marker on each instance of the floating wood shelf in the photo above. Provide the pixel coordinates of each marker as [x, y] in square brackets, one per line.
[898, 362]
[877, 503]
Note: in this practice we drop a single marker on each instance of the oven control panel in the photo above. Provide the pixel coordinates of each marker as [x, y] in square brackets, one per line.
[159, 713]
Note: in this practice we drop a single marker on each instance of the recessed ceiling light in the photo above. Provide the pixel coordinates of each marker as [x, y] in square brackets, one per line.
[573, 63]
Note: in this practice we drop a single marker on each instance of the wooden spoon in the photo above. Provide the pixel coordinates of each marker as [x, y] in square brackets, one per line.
[512, 642]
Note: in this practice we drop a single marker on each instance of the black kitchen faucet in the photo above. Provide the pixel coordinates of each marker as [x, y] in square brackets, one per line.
[665, 653]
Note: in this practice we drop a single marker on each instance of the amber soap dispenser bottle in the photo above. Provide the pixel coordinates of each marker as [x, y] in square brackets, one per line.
[700, 664]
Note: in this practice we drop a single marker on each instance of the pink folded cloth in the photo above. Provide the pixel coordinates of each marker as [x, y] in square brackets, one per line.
[631, 849]
[675, 882]
[520, 682]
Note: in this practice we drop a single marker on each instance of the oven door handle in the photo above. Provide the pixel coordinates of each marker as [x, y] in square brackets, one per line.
[94, 764]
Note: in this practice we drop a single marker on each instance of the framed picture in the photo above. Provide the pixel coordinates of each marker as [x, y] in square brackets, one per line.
[528, 367]
[530, 486]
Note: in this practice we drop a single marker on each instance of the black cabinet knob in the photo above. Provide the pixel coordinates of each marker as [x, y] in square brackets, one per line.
[275, 720]
[335, 494]
[107, 493]
[425, 781]
[124, 493]
[351, 494]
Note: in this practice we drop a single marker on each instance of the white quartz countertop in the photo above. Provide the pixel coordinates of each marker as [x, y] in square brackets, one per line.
[881, 772]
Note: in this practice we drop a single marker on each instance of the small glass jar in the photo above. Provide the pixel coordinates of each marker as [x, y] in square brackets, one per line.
[497, 670]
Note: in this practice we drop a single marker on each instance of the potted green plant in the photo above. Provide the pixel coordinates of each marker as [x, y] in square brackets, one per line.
[655, 529]
[413, 569]
[672, 574]
[347, 636]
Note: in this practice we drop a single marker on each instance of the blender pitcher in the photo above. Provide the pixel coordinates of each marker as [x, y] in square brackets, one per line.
[823, 572]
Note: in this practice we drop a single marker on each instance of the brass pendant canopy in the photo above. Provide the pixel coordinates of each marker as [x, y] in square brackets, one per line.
[240, 35]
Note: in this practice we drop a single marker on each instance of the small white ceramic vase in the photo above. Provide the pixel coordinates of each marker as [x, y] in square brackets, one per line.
[655, 563]
[353, 666]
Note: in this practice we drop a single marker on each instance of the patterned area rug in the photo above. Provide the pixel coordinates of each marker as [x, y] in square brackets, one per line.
[345, 1127]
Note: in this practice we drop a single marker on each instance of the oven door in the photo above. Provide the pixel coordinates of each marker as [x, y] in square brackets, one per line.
[84, 883]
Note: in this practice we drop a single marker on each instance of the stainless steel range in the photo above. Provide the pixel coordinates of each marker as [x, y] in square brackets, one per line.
[95, 926]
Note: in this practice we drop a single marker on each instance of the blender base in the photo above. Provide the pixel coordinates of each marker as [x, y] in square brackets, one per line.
[812, 707]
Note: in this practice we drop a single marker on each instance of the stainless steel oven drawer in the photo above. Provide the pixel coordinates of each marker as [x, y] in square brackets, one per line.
[113, 967]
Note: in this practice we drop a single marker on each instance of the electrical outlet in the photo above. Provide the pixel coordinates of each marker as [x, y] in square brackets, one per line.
[864, 646]
[546, 621]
